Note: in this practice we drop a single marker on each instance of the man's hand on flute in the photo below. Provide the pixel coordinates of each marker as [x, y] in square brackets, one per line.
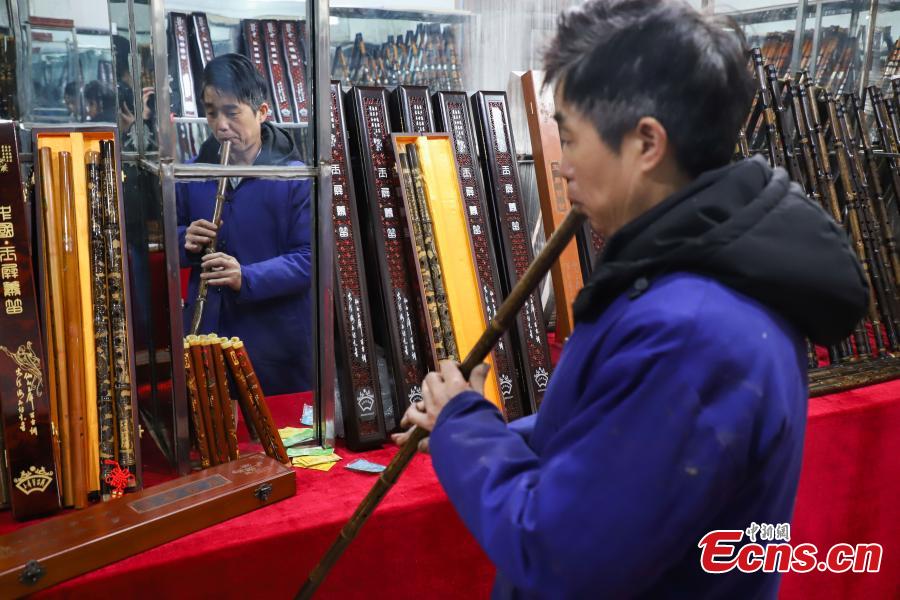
[199, 234]
[438, 389]
[221, 269]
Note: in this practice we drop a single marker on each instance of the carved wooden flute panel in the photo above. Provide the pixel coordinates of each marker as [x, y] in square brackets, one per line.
[391, 265]
[255, 50]
[360, 389]
[454, 117]
[277, 76]
[184, 90]
[499, 160]
[293, 40]
[411, 110]
[24, 398]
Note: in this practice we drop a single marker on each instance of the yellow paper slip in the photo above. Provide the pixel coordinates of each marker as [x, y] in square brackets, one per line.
[289, 431]
[309, 461]
[322, 467]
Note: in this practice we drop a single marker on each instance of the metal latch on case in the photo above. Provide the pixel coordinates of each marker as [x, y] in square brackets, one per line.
[32, 572]
[263, 492]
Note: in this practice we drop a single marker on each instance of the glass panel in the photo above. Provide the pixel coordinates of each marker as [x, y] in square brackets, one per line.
[400, 44]
[886, 46]
[150, 317]
[70, 62]
[261, 287]
[8, 92]
[200, 31]
[838, 45]
[146, 78]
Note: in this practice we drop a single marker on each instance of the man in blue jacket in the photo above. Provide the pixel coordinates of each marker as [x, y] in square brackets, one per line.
[679, 403]
[259, 279]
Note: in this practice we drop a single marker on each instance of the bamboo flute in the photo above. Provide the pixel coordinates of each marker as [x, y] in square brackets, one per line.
[225, 406]
[74, 335]
[412, 156]
[217, 216]
[53, 237]
[437, 331]
[215, 403]
[203, 395]
[100, 297]
[117, 319]
[245, 401]
[196, 413]
[276, 446]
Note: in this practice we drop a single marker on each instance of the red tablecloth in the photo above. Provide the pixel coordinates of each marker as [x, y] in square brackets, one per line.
[415, 545]
[850, 491]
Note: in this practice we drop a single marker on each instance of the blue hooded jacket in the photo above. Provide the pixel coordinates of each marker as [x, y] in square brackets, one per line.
[678, 405]
[266, 227]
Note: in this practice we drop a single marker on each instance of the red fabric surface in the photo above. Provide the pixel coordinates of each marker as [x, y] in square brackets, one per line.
[850, 490]
[269, 552]
[415, 545]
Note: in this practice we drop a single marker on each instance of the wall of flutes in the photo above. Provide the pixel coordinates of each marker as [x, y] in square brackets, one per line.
[842, 151]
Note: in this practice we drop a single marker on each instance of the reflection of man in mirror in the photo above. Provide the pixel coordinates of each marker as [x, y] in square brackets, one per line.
[100, 102]
[259, 278]
[70, 97]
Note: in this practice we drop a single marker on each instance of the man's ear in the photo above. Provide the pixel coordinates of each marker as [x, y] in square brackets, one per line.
[654, 142]
[262, 113]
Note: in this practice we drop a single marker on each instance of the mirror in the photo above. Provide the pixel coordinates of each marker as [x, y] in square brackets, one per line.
[261, 287]
[69, 63]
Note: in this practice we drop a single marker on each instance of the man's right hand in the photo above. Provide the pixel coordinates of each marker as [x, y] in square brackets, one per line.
[198, 235]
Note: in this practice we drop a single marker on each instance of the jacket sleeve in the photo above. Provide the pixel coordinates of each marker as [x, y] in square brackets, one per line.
[524, 427]
[617, 492]
[291, 272]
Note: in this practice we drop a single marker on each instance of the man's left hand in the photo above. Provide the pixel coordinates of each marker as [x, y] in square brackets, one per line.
[221, 269]
[437, 390]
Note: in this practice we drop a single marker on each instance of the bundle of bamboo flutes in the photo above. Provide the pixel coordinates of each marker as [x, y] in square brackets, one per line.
[208, 361]
[84, 315]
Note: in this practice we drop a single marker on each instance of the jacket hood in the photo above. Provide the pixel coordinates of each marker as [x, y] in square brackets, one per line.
[752, 229]
[278, 148]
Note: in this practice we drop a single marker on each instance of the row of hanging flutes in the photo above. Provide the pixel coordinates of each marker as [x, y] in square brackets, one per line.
[823, 144]
[208, 361]
[427, 56]
[91, 412]
[834, 60]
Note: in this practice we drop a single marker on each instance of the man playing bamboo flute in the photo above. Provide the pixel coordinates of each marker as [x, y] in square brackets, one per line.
[679, 403]
[259, 277]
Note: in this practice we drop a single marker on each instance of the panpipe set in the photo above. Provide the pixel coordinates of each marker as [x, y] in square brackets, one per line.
[836, 59]
[84, 314]
[823, 141]
[208, 362]
[427, 56]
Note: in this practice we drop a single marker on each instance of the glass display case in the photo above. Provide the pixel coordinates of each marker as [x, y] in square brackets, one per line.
[832, 45]
[277, 38]
[394, 47]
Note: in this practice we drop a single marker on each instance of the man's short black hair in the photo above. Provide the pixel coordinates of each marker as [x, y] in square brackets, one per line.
[235, 75]
[101, 93]
[620, 60]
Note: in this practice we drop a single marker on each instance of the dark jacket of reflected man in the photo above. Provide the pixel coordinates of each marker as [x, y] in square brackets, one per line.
[260, 276]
